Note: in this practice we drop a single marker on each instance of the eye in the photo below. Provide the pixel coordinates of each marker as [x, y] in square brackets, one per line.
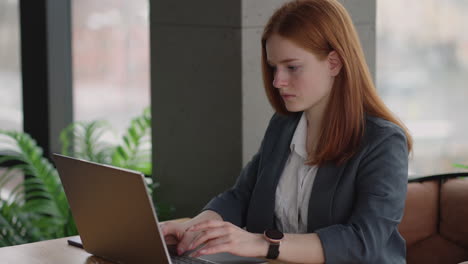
[293, 68]
[273, 68]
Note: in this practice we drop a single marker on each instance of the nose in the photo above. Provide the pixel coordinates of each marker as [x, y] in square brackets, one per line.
[280, 80]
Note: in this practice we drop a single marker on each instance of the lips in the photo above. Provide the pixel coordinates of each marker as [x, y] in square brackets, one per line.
[287, 96]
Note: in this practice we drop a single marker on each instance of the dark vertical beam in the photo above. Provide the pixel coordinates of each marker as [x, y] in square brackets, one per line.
[34, 71]
[59, 35]
[46, 63]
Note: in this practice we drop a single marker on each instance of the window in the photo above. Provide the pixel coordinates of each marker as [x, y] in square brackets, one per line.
[422, 61]
[11, 113]
[110, 61]
[11, 108]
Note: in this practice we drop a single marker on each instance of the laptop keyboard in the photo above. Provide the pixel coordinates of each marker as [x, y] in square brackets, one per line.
[185, 259]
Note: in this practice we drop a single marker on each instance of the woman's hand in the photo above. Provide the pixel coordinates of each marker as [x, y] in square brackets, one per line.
[220, 236]
[175, 233]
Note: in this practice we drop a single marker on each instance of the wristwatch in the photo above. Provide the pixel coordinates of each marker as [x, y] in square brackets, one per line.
[273, 237]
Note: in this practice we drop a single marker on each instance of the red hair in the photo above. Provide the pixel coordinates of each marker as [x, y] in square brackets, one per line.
[322, 26]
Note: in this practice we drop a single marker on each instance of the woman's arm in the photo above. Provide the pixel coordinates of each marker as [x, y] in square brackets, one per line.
[380, 197]
[301, 248]
[222, 236]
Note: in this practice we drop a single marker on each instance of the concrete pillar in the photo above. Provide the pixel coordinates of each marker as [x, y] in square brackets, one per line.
[363, 13]
[196, 99]
[208, 104]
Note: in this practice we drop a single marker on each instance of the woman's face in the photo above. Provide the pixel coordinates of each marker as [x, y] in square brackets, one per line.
[303, 81]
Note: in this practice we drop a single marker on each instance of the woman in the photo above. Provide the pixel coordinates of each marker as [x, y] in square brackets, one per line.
[331, 172]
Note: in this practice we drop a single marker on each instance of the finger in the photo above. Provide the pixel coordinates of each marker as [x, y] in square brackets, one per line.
[208, 234]
[168, 228]
[171, 240]
[195, 238]
[185, 240]
[163, 228]
[216, 247]
[207, 224]
[209, 244]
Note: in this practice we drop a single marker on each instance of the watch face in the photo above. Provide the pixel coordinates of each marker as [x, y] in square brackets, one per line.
[274, 234]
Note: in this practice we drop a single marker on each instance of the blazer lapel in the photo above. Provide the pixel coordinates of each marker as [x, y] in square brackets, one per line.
[262, 202]
[321, 197]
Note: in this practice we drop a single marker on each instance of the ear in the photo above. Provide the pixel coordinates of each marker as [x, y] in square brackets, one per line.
[334, 63]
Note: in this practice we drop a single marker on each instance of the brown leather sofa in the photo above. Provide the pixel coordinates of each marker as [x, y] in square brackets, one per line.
[435, 222]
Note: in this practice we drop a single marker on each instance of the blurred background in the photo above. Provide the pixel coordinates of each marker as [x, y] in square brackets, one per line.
[110, 62]
[422, 74]
[110, 54]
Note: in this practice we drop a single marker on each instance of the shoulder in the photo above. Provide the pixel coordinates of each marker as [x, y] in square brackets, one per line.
[378, 130]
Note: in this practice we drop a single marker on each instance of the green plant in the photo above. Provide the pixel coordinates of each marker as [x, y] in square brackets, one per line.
[133, 153]
[84, 140]
[461, 166]
[37, 209]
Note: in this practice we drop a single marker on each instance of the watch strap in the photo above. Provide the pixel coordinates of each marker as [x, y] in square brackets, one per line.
[273, 251]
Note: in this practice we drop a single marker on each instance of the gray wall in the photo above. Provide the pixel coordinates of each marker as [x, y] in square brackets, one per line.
[256, 111]
[208, 104]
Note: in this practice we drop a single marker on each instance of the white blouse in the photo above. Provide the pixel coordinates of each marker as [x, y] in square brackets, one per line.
[295, 185]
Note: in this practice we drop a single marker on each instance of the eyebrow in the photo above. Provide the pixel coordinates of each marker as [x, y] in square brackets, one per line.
[283, 61]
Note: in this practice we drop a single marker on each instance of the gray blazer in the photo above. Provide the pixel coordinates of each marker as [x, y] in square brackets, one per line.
[354, 208]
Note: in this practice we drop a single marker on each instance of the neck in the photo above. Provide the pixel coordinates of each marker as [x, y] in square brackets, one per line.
[314, 117]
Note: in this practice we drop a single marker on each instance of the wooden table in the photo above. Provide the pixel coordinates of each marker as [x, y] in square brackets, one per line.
[50, 252]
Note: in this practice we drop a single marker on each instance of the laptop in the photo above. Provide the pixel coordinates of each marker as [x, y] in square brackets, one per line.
[115, 216]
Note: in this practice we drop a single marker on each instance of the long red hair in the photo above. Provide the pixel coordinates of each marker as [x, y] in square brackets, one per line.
[322, 26]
